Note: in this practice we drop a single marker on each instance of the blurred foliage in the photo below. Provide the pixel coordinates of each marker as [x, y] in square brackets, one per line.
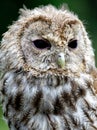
[3, 125]
[85, 9]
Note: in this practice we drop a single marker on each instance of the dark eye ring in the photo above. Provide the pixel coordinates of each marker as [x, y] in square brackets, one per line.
[72, 44]
[42, 44]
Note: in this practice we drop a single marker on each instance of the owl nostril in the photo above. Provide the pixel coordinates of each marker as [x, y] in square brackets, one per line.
[61, 56]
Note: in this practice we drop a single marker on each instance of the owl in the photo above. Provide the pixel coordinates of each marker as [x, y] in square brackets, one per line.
[48, 73]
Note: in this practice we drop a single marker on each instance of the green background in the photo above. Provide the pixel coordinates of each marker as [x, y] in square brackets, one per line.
[85, 9]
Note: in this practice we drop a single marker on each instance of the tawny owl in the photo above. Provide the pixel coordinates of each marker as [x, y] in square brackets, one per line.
[48, 73]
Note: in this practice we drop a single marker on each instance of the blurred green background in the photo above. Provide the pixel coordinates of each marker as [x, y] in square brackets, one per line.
[85, 9]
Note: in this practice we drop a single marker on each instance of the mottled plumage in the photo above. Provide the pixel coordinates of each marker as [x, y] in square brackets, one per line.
[48, 73]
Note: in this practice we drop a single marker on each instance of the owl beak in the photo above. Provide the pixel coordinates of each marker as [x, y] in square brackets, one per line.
[61, 60]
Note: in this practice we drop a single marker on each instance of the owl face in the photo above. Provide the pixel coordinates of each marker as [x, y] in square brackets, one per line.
[49, 46]
[45, 42]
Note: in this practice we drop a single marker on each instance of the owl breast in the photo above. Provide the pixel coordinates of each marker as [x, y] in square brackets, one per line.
[48, 103]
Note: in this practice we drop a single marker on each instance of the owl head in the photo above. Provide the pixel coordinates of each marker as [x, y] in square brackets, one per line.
[47, 40]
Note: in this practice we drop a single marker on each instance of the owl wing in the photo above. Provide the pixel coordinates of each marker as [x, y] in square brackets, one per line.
[94, 75]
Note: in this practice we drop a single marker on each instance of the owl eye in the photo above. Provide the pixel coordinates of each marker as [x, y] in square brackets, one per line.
[72, 44]
[42, 44]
